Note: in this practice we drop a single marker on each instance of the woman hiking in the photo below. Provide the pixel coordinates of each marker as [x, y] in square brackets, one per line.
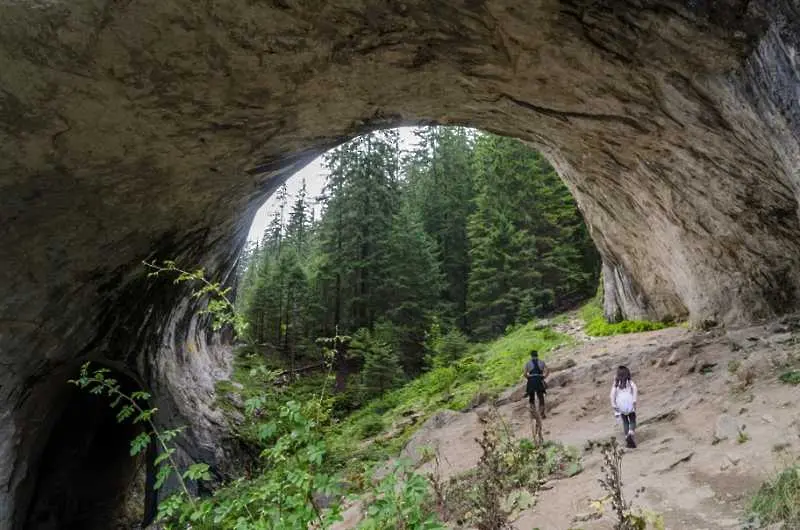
[623, 400]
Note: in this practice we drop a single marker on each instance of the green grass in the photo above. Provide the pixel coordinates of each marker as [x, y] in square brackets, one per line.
[489, 369]
[596, 325]
[792, 377]
[779, 500]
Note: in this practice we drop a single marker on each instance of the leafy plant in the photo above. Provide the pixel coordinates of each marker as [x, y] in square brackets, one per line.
[778, 500]
[400, 501]
[742, 436]
[595, 323]
[447, 348]
[283, 495]
[133, 407]
[792, 377]
[505, 482]
[219, 305]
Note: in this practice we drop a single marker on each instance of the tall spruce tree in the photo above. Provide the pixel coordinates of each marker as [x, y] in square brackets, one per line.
[530, 251]
[440, 178]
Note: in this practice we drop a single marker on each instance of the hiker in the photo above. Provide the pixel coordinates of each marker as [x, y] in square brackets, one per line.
[623, 401]
[535, 373]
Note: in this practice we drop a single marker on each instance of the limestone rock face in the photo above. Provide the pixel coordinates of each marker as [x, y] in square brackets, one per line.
[154, 129]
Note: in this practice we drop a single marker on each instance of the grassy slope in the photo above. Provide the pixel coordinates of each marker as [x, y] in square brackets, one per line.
[487, 371]
[379, 429]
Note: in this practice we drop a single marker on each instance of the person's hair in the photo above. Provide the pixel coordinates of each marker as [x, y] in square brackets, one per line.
[623, 377]
[534, 353]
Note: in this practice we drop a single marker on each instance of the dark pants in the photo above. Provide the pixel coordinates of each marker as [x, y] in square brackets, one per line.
[629, 422]
[537, 394]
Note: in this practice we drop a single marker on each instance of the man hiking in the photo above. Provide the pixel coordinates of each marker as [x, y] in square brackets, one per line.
[535, 373]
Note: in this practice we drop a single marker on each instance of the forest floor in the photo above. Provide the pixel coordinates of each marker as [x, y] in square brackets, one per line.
[715, 422]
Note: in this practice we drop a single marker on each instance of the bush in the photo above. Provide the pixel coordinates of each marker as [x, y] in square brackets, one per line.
[449, 348]
[595, 323]
[371, 426]
[381, 370]
[779, 500]
[401, 500]
[792, 377]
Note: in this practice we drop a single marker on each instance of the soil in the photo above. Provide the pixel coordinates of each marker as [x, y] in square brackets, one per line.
[692, 465]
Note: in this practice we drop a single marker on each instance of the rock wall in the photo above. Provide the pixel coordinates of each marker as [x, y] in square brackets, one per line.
[152, 129]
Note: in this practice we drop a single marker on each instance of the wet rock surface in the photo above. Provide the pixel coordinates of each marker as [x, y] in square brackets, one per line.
[154, 129]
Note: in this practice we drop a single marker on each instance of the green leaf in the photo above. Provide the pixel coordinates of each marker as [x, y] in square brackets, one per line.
[140, 395]
[197, 472]
[162, 475]
[140, 443]
[164, 455]
[125, 412]
[144, 415]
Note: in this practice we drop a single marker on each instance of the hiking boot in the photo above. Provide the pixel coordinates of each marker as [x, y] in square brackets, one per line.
[629, 442]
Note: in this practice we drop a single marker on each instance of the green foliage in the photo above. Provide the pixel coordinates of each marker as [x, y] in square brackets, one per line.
[448, 348]
[282, 495]
[742, 437]
[473, 231]
[530, 251]
[778, 500]
[371, 426]
[596, 325]
[440, 189]
[381, 370]
[400, 501]
[219, 306]
[490, 369]
[132, 406]
[792, 377]
[505, 482]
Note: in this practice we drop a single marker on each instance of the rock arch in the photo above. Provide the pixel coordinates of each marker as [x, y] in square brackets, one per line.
[142, 129]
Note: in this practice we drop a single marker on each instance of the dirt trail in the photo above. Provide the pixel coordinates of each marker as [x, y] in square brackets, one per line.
[690, 396]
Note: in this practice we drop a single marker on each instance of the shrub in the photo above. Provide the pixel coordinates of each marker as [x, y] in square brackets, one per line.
[371, 426]
[778, 500]
[505, 482]
[595, 323]
[601, 328]
[792, 377]
[449, 348]
[401, 501]
[381, 370]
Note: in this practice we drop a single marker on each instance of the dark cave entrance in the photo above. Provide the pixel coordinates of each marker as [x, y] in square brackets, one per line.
[87, 478]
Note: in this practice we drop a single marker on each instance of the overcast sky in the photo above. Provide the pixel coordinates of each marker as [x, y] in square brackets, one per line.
[315, 175]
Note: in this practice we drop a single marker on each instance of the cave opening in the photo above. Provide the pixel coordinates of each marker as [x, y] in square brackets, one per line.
[404, 232]
[86, 478]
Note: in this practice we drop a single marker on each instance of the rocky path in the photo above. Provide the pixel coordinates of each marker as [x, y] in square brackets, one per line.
[714, 423]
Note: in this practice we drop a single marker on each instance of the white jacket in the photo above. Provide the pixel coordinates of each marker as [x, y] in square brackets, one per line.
[624, 399]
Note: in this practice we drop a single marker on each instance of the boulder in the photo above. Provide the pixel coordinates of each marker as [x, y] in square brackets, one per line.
[726, 428]
[562, 365]
[681, 353]
[511, 395]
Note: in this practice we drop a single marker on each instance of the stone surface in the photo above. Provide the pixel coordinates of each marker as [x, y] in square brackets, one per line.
[726, 428]
[422, 442]
[154, 129]
[682, 352]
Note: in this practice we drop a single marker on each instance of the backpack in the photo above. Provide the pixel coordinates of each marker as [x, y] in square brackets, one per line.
[624, 399]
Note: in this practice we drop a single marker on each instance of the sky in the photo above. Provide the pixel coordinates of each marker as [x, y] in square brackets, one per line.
[315, 175]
